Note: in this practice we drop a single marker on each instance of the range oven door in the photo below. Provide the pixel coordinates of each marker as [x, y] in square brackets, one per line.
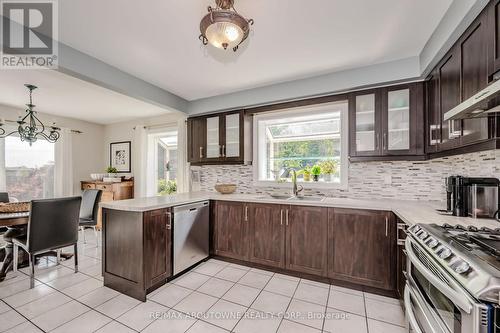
[436, 303]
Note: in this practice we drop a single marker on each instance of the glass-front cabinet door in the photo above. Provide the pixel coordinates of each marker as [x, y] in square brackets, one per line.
[213, 144]
[397, 136]
[231, 146]
[366, 136]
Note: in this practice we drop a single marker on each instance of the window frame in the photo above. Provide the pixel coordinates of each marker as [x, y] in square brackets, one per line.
[298, 112]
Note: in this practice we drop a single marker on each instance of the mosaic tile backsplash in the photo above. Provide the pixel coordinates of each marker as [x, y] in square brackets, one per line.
[404, 180]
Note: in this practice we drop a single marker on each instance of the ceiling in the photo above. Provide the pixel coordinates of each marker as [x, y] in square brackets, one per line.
[157, 40]
[63, 95]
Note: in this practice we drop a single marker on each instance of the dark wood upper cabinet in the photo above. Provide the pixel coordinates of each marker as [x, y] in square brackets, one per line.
[219, 138]
[365, 119]
[361, 247]
[387, 122]
[403, 120]
[267, 234]
[433, 118]
[231, 230]
[306, 239]
[449, 97]
[474, 70]
[196, 131]
[493, 37]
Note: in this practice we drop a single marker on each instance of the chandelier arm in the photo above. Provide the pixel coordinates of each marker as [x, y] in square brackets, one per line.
[43, 126]
[6, 135]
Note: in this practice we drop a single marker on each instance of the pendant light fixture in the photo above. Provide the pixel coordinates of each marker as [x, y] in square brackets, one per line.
[30, 128]
[223, 27]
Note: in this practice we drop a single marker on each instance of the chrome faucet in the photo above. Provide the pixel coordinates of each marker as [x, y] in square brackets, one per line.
[295, 189]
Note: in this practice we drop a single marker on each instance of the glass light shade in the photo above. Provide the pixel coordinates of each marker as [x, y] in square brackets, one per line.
[224, 35]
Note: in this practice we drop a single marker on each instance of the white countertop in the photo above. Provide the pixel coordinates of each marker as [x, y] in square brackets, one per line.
[411, 212]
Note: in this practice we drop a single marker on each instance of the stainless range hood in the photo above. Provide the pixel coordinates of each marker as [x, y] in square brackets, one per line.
[479, 105]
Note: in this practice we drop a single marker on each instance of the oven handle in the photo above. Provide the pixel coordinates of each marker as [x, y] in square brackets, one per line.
[459, 300]
[409, 311]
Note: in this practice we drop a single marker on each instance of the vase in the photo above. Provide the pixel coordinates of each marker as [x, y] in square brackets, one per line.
[307, 177]
[316, 178]
[328, 178]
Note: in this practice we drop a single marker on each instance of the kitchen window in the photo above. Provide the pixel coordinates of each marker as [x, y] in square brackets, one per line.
[27, 172]
[310, 140]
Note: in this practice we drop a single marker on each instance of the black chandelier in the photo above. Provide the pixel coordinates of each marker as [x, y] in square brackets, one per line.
[30, 128]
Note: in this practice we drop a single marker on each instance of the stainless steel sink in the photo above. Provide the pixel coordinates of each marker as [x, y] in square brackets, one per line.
[315, 199]
[286, 197]
[275, 196]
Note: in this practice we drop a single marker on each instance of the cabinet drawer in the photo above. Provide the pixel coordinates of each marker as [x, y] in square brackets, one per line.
[88, 186]
[105, 188]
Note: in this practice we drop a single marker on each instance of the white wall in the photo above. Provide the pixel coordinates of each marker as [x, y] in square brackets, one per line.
[125, 132]
[87, 146]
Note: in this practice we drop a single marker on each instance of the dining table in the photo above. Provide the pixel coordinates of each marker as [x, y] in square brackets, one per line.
[16, 220]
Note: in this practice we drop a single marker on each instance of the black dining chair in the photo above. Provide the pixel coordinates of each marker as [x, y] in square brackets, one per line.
[4, 197]
[53, 225]
[89, 211]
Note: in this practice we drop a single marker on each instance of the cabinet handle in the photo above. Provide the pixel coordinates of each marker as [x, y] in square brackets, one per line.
[386, 226]
[385, 141]
[169, 220]
[201, 152]
[377, 139]
[223, 151]
[281, 218]
[287, 217]
[246, 213]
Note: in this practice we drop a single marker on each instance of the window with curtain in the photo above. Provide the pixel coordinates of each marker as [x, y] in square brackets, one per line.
[28, 170]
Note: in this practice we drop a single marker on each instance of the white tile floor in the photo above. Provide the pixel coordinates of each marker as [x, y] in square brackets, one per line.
[215, 297]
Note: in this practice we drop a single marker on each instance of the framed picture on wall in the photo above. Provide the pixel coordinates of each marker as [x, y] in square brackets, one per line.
[119, 156]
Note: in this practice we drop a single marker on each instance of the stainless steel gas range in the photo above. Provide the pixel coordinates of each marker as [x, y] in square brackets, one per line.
[453, 279]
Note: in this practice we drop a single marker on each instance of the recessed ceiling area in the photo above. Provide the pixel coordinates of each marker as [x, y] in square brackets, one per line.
[157, 41]
[62, 95]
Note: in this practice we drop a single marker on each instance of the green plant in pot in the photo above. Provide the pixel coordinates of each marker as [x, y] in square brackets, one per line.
[112, 171]
[328, 168]
[306, 172]
[316, 172]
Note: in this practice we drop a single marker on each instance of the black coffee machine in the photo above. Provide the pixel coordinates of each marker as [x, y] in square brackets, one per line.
[462, 197]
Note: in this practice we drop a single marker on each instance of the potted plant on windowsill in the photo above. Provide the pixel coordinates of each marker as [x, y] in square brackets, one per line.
[316, 172]
[328, 168]
[306, 172]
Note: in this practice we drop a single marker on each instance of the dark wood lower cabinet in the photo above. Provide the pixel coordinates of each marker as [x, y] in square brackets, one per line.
[307, 237]
[137, 250]
[347, 246]
[231, 230]
[267, 234]
[361, 247]
[157, 246]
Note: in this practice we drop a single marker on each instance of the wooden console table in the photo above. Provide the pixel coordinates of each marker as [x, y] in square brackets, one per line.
[110, 192]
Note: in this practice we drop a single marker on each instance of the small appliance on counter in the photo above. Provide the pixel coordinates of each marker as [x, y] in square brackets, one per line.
[474, 197]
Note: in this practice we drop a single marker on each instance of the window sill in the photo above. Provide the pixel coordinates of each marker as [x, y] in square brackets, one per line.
[306, 185]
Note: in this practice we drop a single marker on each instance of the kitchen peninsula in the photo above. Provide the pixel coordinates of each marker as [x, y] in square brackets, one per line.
[354, 243]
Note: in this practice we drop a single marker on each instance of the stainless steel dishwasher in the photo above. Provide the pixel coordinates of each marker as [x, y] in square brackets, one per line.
[191, 235]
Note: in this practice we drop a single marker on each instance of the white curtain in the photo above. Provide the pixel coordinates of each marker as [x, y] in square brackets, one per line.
[3, 176]
[139, 154]
[182, 164]
[63, 173]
